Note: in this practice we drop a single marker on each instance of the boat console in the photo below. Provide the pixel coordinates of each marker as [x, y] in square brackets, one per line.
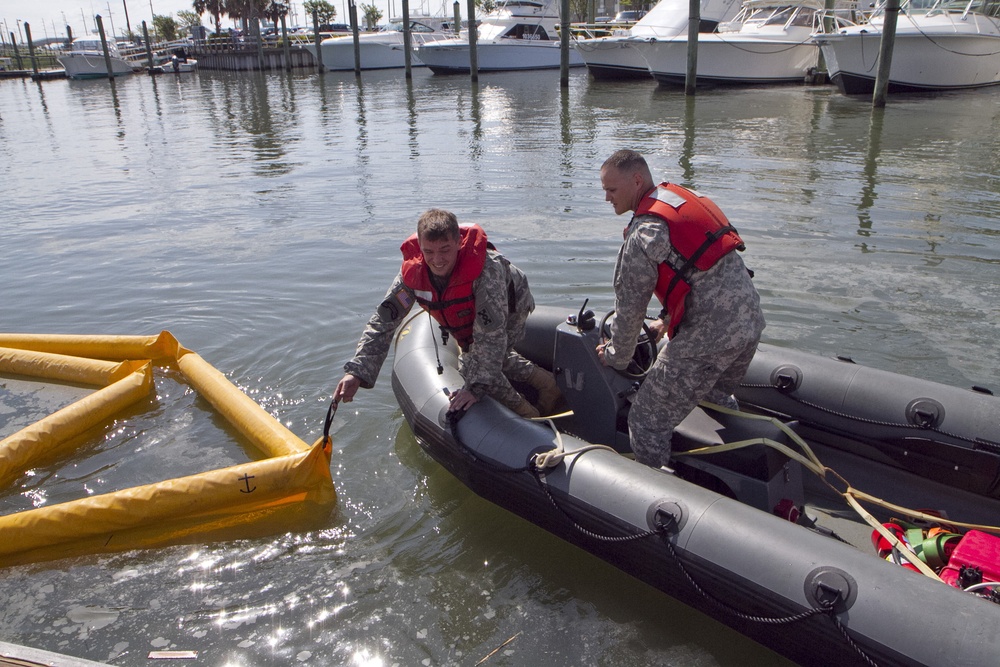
[601, 397]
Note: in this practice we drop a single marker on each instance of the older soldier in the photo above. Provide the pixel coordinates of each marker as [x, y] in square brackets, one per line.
[678, 245]
[477, 296]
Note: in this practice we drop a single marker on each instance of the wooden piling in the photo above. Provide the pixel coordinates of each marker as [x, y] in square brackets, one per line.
[31, 49]
[104, 46]
[694, 20]
[149, 48]
[564, 44]
[885, 53]
[255, 25]
[17, 54]
[352, 10]
[470, 8]
[407, 42]
[285, 49]
[317, 40]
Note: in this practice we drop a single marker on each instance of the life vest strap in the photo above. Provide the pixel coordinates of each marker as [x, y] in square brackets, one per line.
[688, 267]
[441, 305]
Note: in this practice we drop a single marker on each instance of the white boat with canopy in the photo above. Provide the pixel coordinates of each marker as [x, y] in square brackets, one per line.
[519, 35]
[613, 57]
[382, 49]
[769, 42]
[85, 60]
[939, 45]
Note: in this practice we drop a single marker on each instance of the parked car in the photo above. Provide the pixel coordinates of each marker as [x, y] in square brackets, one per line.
[334, 28]
[630, 16]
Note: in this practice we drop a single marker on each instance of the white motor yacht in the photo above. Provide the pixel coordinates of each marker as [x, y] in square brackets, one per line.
[519, 35]
[769, 42]
[613, 57]
[940, 45]
[85, 60]
[382, 49]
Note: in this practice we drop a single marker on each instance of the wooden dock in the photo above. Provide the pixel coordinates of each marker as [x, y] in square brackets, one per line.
[249, 58]
[47, 74]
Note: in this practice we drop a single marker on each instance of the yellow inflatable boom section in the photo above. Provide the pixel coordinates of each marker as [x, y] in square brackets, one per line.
[293, 477]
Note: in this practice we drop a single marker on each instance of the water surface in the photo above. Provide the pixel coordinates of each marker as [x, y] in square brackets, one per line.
[258, 218]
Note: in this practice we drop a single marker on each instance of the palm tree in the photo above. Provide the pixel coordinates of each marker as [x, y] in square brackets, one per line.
[244, 10]
[274, 10]
[214, 7]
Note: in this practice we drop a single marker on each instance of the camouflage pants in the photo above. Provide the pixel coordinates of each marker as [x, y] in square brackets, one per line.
[673, 387]
[515, 367]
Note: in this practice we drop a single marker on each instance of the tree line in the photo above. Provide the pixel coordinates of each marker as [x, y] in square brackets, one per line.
[273, 11]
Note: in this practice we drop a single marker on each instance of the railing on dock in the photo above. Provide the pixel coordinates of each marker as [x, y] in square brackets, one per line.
[19, 60]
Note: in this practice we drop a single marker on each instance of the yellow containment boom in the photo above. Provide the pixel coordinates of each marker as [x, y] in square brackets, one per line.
[295, 478]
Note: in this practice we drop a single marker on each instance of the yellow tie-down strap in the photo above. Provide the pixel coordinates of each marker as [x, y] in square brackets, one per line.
[213, 502]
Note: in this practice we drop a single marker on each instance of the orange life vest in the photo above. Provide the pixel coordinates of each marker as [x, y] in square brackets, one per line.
[455, 307]
[699, 232]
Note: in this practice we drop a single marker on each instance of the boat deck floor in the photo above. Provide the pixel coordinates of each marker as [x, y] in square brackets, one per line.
[831, 510]
[843, 521]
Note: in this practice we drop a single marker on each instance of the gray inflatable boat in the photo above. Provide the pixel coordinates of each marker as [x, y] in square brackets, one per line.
[751, 536]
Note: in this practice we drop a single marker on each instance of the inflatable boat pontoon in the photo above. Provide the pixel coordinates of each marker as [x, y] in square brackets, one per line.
[768, 537]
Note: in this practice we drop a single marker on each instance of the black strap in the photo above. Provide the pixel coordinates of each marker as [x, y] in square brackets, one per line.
[330, 412]
[688, 266]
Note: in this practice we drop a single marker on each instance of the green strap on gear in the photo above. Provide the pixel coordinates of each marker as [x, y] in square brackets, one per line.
[930, 550]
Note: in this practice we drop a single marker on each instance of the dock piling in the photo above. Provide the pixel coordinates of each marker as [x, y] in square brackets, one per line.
[149, 49]
[885, 53]
[564, 44]
[352, 10]
[259, 38]
[318, 40]
[104, 46]
[473, 38]
[285, 47]
[694, 21]
[31, 49]
[407, 41]
[17, 54]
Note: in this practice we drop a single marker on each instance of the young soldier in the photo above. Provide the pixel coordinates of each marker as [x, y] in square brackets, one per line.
[477, 296]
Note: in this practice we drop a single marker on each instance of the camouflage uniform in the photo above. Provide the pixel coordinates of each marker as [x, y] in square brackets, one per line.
[708, 355]
[491, 362]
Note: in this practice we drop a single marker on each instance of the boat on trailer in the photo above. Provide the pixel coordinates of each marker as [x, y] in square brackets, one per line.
[789, 521]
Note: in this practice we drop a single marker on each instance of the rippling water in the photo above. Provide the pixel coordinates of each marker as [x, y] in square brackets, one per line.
[258, 218]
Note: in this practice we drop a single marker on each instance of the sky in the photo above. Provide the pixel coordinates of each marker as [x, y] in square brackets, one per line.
[48, 18]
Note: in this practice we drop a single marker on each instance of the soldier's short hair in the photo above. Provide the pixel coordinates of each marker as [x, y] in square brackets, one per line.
[627, 161]
[437, 224]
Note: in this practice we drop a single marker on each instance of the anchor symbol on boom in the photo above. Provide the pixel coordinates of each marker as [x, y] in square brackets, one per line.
[246, 480]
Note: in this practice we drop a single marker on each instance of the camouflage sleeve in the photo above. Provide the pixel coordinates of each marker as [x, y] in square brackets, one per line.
[374, 345]
[636, 273]
[482, 365]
